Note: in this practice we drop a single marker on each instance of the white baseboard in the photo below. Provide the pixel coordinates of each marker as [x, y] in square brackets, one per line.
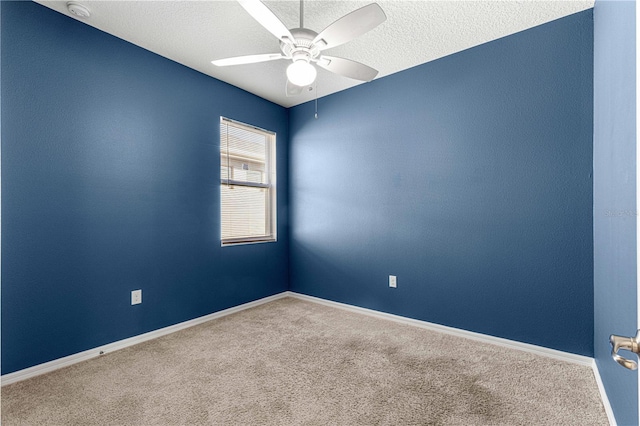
[539, 350]
[512, 344]
[603, 395]
[95, 352]
[92, 353]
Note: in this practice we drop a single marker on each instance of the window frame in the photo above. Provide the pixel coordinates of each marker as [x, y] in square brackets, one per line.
[269, 186]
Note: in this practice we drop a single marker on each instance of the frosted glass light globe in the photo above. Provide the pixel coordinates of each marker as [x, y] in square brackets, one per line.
[301, 73]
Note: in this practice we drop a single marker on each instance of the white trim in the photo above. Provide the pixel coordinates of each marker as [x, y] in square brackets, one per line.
[638, 160]
[92, 353]
[637, 184]
[512, 344]
[56, 364]
[603, 395]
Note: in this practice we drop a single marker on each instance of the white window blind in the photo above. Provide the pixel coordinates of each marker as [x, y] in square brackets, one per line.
[247, 188]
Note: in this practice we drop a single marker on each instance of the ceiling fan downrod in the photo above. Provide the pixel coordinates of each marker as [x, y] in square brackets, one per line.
[301, 13]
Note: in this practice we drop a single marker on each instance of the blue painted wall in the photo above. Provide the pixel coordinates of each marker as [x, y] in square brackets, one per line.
[110, 183]
[614, 197]
[469, 178]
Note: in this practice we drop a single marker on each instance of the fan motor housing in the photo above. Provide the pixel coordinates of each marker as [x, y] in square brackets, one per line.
[302, 44]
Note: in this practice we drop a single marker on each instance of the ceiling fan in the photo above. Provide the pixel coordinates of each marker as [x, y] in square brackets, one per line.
[303, 46]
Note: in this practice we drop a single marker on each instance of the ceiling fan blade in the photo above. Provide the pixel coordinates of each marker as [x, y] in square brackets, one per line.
[347, 68]
[293, 90]
[265, 17]
[350, 26]
[249, 59]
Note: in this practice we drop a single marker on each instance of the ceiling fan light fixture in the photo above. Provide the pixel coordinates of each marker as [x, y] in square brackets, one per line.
[301, 73]
[303, 46]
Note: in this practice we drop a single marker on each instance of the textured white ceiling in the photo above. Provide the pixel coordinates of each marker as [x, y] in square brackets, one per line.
[194, 33]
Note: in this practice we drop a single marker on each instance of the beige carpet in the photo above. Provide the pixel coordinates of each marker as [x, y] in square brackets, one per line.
[292, 362]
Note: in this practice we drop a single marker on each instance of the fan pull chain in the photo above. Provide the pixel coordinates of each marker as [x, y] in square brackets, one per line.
[316, 115]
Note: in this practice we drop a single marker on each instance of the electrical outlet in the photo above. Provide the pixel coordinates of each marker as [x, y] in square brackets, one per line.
[393, 281]
[136, 297]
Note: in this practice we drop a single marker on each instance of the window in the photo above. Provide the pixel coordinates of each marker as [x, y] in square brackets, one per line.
[247, 183]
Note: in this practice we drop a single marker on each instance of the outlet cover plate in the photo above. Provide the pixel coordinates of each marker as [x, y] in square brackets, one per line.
[136, 297]
[393, 281]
